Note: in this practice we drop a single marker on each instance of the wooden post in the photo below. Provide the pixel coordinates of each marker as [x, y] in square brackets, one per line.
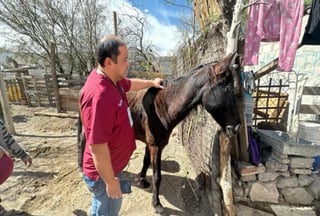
[225, 180]
[233, 37]
[54, 76]
[21, 87]
[115, 23]
[5, 105]
[243, 135]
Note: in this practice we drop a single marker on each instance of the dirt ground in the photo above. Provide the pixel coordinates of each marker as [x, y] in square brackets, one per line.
[53, 184]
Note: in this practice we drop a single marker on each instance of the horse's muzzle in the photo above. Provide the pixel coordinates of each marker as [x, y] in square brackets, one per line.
[231, 131]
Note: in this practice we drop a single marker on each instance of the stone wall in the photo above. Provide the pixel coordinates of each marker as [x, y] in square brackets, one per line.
[283, 179]
[288, 176]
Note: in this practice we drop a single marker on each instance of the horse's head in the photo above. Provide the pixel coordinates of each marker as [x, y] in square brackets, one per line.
[220, 99]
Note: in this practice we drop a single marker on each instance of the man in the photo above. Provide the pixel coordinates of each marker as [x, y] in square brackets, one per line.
[107, 123]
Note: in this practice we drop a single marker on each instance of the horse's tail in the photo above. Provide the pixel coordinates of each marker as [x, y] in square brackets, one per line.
[81, 141]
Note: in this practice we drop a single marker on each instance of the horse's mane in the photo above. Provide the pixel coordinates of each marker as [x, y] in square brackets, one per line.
[152, 92]
[186, 75]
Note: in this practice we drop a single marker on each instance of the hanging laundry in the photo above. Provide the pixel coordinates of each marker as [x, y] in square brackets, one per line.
[312, 32]
[274, 20]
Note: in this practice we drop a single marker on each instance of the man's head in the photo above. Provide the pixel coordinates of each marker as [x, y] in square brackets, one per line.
[112, 56]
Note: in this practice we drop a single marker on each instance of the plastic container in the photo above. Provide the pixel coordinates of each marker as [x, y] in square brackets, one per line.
[310, 131]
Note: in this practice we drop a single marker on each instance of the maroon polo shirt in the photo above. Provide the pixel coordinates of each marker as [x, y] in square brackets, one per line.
[104, 112]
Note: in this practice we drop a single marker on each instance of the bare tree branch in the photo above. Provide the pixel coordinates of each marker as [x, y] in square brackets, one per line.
[72, 25]
[142, 52]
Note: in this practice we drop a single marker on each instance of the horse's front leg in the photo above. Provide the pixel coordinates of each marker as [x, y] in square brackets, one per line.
[155, 153]
[146, 163]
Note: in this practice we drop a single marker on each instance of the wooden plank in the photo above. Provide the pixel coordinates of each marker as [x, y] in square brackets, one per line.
[54, 114]
[70, 107]
[36, 93]
[271, 66]
[309, 90]
[310, 109]
[5, 106]
[69, 99]
[21, 88]
[69, 92]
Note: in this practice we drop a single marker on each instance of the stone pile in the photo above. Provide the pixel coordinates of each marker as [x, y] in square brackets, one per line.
[282, 179]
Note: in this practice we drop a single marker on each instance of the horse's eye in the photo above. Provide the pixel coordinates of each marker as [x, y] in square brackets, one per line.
[228, 89]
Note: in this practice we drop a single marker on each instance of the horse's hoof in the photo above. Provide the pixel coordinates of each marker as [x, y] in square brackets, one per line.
[144, 183]
[159, 209]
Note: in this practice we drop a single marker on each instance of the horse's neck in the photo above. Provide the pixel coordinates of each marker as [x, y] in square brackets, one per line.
[183, 100]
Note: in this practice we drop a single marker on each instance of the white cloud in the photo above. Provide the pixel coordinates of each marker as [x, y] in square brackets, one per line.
[163, 35]
[170, 14]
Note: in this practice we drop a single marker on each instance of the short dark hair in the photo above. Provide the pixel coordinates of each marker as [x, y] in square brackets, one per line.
[108, 46]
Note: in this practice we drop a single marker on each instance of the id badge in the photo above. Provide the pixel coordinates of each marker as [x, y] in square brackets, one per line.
[130, 117]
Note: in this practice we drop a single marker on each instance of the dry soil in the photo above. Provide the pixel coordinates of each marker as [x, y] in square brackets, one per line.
[53, 184]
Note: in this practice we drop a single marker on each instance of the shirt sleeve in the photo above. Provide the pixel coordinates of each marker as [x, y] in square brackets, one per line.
[126, 83]
[8, 143]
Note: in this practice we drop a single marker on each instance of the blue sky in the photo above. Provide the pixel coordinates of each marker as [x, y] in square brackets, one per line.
[164, 12]
[164, 20]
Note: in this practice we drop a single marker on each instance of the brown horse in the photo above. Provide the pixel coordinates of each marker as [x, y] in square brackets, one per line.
[156, 112]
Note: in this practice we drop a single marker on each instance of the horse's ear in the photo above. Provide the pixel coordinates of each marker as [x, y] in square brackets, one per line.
[217, 68]
[223, 64]
[231, 60]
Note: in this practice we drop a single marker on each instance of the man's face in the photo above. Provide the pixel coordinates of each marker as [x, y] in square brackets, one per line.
[121, 67]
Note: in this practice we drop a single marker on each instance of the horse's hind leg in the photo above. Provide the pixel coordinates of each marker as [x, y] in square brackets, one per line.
[156, 168]
[146, 163]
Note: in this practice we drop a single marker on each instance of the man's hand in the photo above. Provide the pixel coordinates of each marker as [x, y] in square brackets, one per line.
[113, 189]
[157, 83]
[27, 161]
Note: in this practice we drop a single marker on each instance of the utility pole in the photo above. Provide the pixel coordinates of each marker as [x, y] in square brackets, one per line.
[115, 23]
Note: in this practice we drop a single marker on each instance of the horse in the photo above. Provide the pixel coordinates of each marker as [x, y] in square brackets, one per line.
[156, 112]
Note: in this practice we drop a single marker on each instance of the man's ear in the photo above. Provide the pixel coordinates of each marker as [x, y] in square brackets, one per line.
[107, 61]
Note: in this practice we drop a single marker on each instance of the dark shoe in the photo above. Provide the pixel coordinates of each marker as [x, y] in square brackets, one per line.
[2, 210]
